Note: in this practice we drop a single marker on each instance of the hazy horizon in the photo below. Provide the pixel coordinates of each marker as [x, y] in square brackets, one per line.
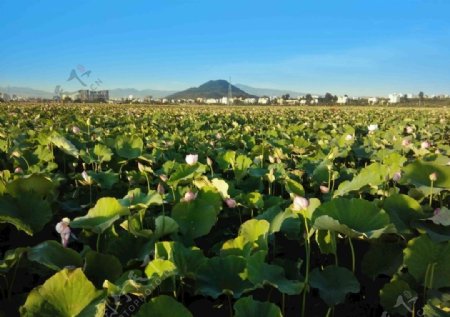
[345, 47]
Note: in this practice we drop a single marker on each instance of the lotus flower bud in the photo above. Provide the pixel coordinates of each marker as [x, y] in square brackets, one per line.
[85, 176]
[189, 196]
[63, 229]
[348, 137]
[425, 145]
[406, 142]
[271, 159]
[18, 170]
[218, 135]
[300, 203]
[191, 159]
[141, 167]
[409, 129]
[397, 176]
[16, 154]
[433, 177]
[163, 177]
[230, 202]
[75, 129]
[324, 189]
[160, 189]
[209, 161]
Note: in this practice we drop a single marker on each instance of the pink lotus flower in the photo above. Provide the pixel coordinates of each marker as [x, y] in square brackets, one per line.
[300, 203]
[160, 189]
[63, 229]
[189, 196]
[324, 189]
[425, 145]
[191, 159]
[437, 211]
[75, 129]
[18, 170]
[163, 177]
[406, 142]
[397, 176]
[230, 202]
[433, 177]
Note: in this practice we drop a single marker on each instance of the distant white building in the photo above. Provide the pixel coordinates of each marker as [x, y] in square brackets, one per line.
[211, 101]
[395, 98]
[372, 100]
[250, 101]
[342, 100]
[263, 100]
[224, 100]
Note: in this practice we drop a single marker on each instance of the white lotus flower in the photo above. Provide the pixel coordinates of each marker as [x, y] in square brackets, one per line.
[425, 145]
[409, 129]
[324, 189]
[348, 137]
[189, 196]
[372, 127]
[63, 229]
[75, 129]
[191, 159]
[300, 203]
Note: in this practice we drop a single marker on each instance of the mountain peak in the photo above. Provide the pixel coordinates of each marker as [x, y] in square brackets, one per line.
[211, 89]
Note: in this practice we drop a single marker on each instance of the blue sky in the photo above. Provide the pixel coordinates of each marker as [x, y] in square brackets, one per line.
[359, 47]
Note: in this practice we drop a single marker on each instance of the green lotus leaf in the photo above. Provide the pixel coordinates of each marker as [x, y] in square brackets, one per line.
[187, 260]
[105, 212]
[418, 174]
[373, 175]
[65, 294]
[103, 153]
[403, 210]
[129, 147]
[26, 203]
[100, 267]
[241, 166]
[159, 269]
[54, 256]
[326, 240]
[64, 144]
[352, 217]
[11, 258]
[253, 235]
[294, 187]
[334, 283]
[397, 294]
[428, 261]
[163, 306]
[165, 225]
[226, 159]
[248, 307]
[185, 173]
[223, 275]
[221, 186]
[436, 232]
[105, 179]
[261, 273]
[429, 310]
[137, 199]
[382, 258]
[196, 218]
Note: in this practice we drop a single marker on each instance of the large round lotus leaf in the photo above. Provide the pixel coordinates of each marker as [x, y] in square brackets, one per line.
[418, 173]
[253, 235]
[105, 180]
[294, 187]
[373, 175]
[223, 275]
[241, 166]
[64, 144]
[394, 294]
[165, 225]
[26, 203]
[334, 283]
[437, 232]
[352, 217]
[187, 260]
[67, 293]
[103, 152]
[248, 307]
[105, 212]
[100, 267]
[261, 273]
[402, 210]
[185, 172]
[54, 256]
[195, 218]
[129, 147]
[382, 258]
[137, 199]
[160, 269]
[428, 261]
[163, 306]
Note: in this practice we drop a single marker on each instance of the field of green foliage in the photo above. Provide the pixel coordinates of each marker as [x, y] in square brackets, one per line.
[214, 211]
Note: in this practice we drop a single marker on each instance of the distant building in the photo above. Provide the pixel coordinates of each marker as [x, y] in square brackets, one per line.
[84, 95]
[93, 95]
[250, 101]
[263, 100]
[342, 100]
[395, 98]
[211, 101]
[372, 100]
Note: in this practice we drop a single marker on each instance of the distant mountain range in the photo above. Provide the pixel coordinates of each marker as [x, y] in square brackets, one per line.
[211, 89]
[268, 91]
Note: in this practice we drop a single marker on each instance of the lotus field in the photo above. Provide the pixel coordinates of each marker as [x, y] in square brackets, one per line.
[224, 211]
